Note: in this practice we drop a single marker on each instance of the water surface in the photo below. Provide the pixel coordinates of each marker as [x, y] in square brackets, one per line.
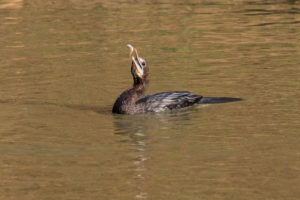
[63, 64]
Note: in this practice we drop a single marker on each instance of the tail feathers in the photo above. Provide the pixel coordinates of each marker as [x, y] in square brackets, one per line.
[212, 100]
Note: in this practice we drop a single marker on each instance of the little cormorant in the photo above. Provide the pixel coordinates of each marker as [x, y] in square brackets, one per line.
[134, 100]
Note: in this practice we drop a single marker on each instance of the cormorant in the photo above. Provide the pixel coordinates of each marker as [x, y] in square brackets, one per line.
[134, 100]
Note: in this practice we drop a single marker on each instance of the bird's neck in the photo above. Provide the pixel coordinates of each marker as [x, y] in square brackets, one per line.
[140, 87]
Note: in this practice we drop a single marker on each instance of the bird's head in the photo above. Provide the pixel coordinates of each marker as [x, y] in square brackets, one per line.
[139, 67]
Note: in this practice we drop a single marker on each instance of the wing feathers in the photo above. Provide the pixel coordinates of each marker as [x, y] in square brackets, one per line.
[167, 101]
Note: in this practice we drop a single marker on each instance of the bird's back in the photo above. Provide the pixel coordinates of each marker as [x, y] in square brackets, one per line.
[167, 101]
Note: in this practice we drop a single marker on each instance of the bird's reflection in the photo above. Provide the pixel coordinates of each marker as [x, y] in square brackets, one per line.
[137, 130]
[134, 126]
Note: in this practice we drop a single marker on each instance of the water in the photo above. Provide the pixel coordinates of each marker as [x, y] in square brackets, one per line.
[63, 64]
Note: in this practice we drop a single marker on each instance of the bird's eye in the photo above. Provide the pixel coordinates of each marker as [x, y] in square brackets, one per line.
[143, 63]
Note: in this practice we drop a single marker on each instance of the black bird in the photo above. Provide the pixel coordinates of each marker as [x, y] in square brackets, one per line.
[134, 100]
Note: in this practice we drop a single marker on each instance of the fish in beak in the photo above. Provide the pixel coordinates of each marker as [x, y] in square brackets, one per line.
[137, 61]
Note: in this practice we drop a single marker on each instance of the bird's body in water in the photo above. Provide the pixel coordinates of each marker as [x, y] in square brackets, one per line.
[134, 100]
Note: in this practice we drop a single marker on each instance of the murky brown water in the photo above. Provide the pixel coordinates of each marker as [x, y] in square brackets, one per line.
[63, 63]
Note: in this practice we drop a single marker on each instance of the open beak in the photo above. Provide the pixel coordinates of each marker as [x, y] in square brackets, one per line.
[138, 67]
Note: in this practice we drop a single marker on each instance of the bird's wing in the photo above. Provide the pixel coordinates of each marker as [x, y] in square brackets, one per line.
[167, 101]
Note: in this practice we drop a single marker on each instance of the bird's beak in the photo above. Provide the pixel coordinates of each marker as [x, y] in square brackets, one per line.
[138, 67]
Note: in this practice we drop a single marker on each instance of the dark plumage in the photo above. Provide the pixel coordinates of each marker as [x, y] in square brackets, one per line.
[133, 100]
[167, 101]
